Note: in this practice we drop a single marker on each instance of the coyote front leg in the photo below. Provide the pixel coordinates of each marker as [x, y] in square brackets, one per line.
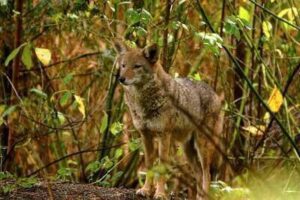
[150, 156]
[163, 151]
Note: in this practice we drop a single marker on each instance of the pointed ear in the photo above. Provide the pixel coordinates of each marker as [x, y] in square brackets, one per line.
[151, 53]
[120, 46]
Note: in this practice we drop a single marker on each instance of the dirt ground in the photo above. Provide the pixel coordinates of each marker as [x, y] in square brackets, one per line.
[69, 191]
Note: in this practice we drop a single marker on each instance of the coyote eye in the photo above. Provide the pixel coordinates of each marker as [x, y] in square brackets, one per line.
[137, 66]
[122, 65]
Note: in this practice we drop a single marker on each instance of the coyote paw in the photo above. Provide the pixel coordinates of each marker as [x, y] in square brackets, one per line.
[160, 196]
[143, 192]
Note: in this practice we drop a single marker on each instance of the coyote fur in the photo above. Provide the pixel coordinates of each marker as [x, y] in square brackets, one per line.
[170, 109]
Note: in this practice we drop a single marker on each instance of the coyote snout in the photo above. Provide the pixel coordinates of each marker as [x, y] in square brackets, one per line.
[170, 110]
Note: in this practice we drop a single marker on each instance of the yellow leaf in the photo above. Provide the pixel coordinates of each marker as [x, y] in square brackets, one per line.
[267, 117]
[293, 12]
[255, 130]
[2, 108]
[80, 104]
[283, 12]
[275, 101]
[267, 27]
[44, 55]
[244, 14]
[290, 12]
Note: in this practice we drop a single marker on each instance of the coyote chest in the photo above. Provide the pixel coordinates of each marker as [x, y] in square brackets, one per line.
[152, 110]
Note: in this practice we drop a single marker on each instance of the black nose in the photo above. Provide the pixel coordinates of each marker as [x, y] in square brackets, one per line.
[121, 79]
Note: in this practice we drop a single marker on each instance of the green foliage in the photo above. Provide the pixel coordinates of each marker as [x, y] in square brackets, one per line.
[212, 41]
[195, 77]
[16, 182]
[118, 153]
[8, 111]
[93, 167]
[68, 78]
[13, 54]
[138, 16]
[39, 93]
[8, 188]
[134, 144]
[65, 98]
[5, 175]
[116, 128]
[27, 182]
[27, 56]
[137, 20]
[231, 27]
[65, 173]
[104, 123]
[107, 163]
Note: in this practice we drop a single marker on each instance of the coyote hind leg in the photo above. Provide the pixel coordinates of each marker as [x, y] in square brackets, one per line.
[194, 161]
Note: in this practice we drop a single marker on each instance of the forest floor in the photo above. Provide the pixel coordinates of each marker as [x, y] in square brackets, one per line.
[67, 191]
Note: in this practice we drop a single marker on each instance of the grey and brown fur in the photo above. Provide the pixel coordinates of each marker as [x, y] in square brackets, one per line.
[170, 110]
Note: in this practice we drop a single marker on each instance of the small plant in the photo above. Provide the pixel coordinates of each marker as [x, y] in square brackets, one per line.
[65, 173]
[15, 183]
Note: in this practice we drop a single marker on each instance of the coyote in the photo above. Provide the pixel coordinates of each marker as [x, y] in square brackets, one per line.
[170, 109]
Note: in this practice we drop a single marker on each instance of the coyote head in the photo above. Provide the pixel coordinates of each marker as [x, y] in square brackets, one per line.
[136, 66]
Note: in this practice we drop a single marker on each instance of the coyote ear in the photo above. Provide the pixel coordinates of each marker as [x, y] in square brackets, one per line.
[120, 46]
[151, 53]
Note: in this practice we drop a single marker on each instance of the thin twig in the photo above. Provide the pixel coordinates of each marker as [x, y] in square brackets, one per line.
[70, 155]
[64, 61]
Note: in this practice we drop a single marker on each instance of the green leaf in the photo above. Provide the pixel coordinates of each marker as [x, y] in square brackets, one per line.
[68, 78]
[9, 110]
[134, 145]
[61, 118]
[212, 41]
[231, 27]
[64, 173]
[27, 57]
[118, 153]
[107, 163]
[140, 31]
[132, 16]
[195, 77]
[145, 17]
[64, 98]
[39, 93]
[104, 123]
[116, 128]
[244, 14]
[93, 167]
[13, 54]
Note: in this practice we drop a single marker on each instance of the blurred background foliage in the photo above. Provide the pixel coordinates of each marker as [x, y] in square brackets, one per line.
[62, 113]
